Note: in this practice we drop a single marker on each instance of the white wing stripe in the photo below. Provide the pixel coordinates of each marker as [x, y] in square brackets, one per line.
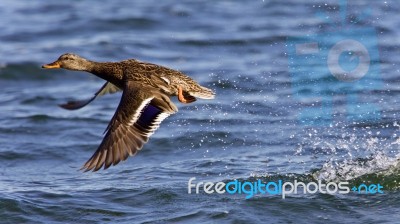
[156, 123]
[139, 111]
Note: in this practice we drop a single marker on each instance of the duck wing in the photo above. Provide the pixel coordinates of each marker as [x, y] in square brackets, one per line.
[107, 88]
[139, 114]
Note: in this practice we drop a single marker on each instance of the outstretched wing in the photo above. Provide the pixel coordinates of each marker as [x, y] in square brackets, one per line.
[139, 114]
[78, 104]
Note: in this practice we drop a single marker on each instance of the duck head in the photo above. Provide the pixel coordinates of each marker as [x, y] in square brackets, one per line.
[69, 61]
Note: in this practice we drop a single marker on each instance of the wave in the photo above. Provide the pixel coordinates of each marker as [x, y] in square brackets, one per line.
[376, 168]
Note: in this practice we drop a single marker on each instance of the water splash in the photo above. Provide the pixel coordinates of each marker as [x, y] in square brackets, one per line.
[355, 154]
[353, 169]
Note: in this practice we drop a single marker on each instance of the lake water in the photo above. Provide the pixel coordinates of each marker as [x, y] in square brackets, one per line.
[279, 113]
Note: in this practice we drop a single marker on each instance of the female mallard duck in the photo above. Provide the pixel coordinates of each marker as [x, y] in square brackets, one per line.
[144, 104]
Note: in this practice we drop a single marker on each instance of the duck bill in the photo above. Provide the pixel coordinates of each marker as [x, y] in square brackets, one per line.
[52, 65]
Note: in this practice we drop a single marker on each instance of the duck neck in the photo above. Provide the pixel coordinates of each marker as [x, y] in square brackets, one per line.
[108, 71]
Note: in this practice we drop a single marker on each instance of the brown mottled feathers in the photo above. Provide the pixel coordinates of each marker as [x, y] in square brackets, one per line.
[125, 134]
[165, 79]
[144, 104]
